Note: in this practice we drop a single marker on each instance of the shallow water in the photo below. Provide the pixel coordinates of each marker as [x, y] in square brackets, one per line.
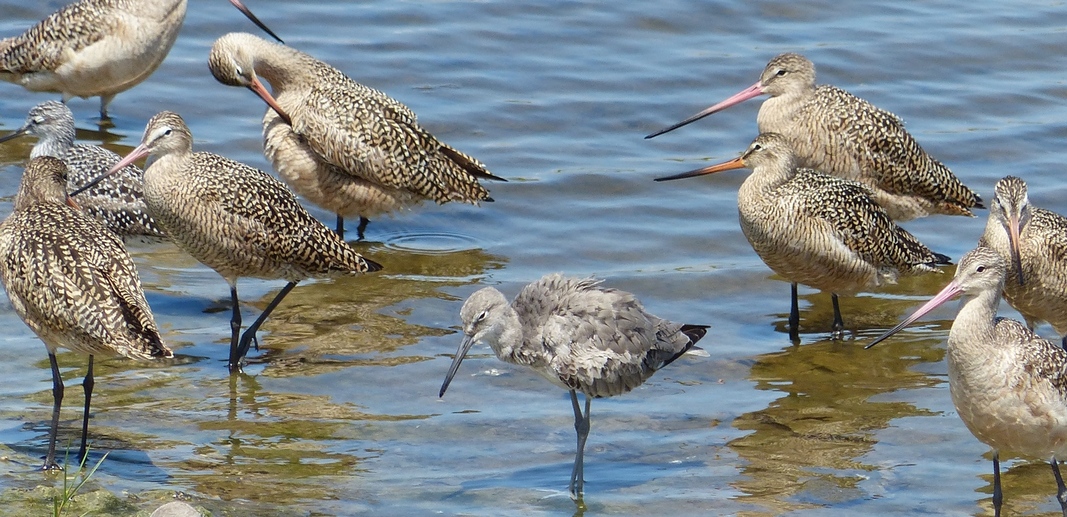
[338, 412]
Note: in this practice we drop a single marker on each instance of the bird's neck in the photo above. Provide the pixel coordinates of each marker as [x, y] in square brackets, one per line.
[510, 345]
[55, 146]
[976, 320]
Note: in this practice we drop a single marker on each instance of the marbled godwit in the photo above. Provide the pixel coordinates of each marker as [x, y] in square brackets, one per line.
[235, 219]
[72, 282]
[1008, 385]
[345, 147]
[1034, 242]
[118, 201]
[96, 48]
[579, 336]
[818, 230]
[840, 134]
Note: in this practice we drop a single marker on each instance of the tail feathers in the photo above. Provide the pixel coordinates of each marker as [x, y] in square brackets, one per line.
[694, 333]
[469, 164]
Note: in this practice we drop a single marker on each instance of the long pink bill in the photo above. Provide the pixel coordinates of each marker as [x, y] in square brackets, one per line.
[752, 91]
[946, 294]
[139, 152]
[245, 11]
[1013, 246]
[736, 163]
[261, 91]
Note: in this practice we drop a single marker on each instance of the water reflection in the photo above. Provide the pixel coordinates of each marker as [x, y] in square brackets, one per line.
[805, 448]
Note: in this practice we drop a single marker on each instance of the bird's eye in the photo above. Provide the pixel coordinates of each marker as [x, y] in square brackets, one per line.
[781, 72]
[757, 147]
[980, 269]
[167, 132]
[482, 316]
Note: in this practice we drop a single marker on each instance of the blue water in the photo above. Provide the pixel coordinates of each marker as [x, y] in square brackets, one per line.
[339, 413]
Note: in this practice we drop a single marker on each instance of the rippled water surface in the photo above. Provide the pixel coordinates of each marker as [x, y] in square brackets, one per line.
[338, 412]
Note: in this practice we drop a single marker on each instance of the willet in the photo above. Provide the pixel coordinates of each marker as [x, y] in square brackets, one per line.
[579, 336]
[818, 230]
[345, 147]
[118, 201]
[843, 135]
[235, 219]
[96, 48]
[73, 283]
[1008, 385]
[1034, 242]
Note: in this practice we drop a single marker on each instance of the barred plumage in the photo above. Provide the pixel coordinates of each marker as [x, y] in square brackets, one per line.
[843, 135]
[1008, 384]
[117, 201]
[96, 48]
[71, 281]
[578, 335]
[344, 146]
[235, 219]
[818, 230]
[1033, 241]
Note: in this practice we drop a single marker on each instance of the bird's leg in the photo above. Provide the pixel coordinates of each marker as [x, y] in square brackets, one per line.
[235, 330]
[839, 324]
[105, 119]
[1063, 342]
[87, 385]
[363, 222]
[794, 316]
[340, 226]
[250, 333]
[57, 400]
[1061, 490]
[581, 427]
[998, 496]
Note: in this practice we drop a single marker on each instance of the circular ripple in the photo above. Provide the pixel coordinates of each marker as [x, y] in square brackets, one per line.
[432, 243]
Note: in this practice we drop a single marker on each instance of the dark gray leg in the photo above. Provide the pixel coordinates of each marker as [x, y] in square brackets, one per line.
[363, 222]
[340, 230]
[235, 330]
[1061, 491]
[581, 427]
[794, 315]
[57, 401]
[998, 496]
[250, 334]
[87, 385]
[839, 324]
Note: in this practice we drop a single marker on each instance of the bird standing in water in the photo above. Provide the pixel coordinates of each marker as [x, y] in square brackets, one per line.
[97, 48]
[343, 146]
[73, 283]
[818, 230]
[835, 132]
[235, 219]
[1008, 384]
[578, 335]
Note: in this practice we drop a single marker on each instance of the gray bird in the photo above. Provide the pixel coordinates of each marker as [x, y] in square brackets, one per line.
[73, 283]
[1034, 241]
[840, 134]
[579, 336]
[1008, 384]
[818, 230]
[118, 201]
[235, 219]
[345, 147]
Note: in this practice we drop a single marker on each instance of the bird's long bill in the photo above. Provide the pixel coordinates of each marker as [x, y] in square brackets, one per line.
[752, 91]
[139, 152]
[464, 347]
[17, 133]
[245, 11]
[736, 163]
[1013, 246]
[946, 294]
[259, 89]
